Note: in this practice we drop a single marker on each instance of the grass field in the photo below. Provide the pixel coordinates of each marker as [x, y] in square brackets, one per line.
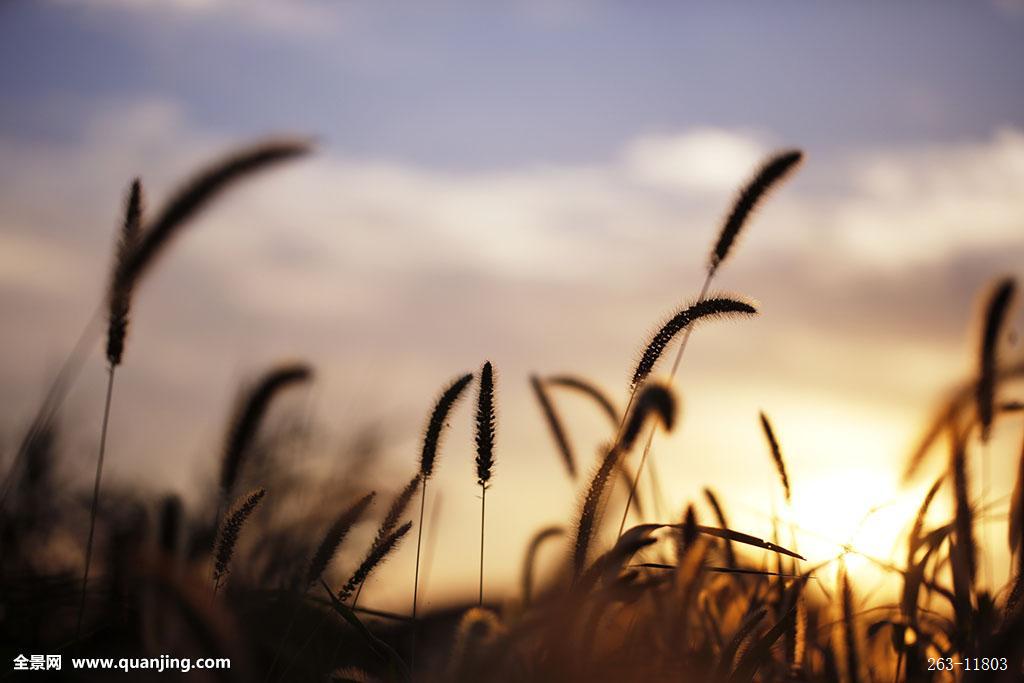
[108, 572]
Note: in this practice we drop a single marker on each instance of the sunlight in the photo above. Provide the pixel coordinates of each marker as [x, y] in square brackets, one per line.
[473, 283]
[863, 510]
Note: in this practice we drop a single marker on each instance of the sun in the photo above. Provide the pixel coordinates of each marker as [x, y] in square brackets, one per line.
[863, 515]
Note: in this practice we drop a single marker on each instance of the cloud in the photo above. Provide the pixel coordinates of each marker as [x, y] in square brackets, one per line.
[699, 160]
[335, 222]
[928, 203]
[345, 238]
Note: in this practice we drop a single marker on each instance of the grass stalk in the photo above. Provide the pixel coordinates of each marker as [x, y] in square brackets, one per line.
[416, 578]
[483, 509]
[485, 435]
[419, 543]
[654, 427]
[94, 508]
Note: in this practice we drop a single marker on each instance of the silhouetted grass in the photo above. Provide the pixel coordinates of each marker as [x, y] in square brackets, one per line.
[666, 600]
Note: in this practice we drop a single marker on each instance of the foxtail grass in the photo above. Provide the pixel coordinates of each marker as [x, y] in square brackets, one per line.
[914, 577]
[229, 533]
[607, 407]
[759, 650]
[995, 317]
[434, 432]
[653, 401]
[432, 439]
[475, 633]
[530, 559]
[385, 541]
[850, 642]
[727, 658]
[689, 531]
[197, 192]
[485, 432]
[601, 400]
[140, 247]
[964, 561]
[120, 293]
[379, 551]
[554, 424]
[152, 241]
[335, 536]
[996, 312]
[587, 389]
[773, 171]
[320, 560]
[776, 453]
[702, 309]
[1016, 517]
[719, 512]
[953, 410]
[387, 526]
[251, 407]
[589, 512]
[799, 650]
[119, 297]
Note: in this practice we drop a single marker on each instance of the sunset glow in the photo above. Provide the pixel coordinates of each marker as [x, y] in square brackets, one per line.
[538, 186]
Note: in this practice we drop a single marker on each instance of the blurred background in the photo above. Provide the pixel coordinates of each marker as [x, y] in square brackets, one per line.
[537, 184]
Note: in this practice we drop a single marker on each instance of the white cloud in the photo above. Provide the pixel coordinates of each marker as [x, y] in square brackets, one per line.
[550, 224]
[698, 160]
[930, 202]
[334, 224]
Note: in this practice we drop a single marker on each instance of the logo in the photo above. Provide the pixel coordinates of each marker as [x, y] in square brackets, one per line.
[37, 663]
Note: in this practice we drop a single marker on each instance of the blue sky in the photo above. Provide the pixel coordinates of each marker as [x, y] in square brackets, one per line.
[537, 184]
[469, 85]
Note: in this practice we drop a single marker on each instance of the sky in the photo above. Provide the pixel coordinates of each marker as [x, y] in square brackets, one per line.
[537, 184]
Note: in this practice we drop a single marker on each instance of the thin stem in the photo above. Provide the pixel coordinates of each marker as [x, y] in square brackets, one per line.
[633, 485]
[603, 504]
[416, 579]
[656, 492]
[430, 545]
[95, 499]
[654, 427]
[419, 543]
[483, 507]
[359, 590]
[689, 328]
